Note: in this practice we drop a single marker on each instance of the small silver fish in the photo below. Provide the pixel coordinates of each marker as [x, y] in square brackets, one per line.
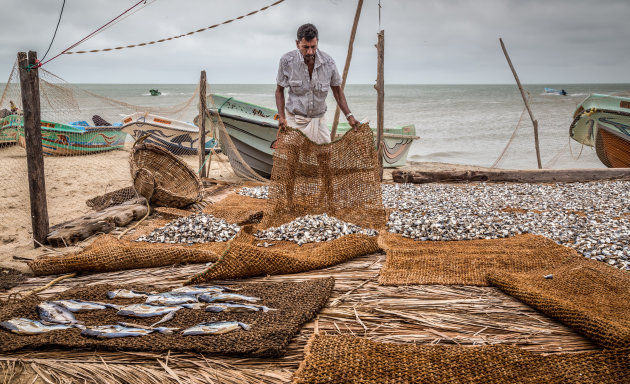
[127, 294]
[81, 306]
[234, 307]
[169, 298]
[169, 316]
[145, 310]
[216, 328]
[113, 331]
[195, 290]
[164, 330]
[193, 305]
[54, 313]
[209, 298]
[23, 326]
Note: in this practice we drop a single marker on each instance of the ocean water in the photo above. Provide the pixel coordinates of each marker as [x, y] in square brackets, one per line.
[463, 124]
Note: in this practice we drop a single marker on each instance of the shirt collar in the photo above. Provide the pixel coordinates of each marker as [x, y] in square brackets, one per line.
[318, 58]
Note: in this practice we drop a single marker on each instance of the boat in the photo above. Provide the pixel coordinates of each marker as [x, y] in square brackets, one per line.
[179, 137]
[603, 122]
[155, 92]
[561, 92]
[70, 140]
[253, 129]
[9, 126]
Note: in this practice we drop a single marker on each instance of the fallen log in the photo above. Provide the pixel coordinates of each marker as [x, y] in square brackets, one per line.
[74, 231]
[514, 176]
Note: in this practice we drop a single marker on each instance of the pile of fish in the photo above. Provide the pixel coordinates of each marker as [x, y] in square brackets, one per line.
[197, 228]
[313, 229]
[261, 192]
[57, 315]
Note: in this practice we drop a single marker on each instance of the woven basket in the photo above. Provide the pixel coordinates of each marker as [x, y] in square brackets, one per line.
[162, 178]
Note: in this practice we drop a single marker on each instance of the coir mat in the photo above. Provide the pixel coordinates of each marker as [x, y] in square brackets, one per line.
[350, 359]
[465, 262]
[270, 333]
[586, 295]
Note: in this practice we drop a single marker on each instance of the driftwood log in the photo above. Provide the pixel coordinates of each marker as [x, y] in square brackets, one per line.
[74, 231]
[516, 176]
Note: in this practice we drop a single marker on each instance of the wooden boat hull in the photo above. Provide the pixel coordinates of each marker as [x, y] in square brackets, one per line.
[176, 136]
[9, 126]
[603, 122]
[253, 129]
[66, 140]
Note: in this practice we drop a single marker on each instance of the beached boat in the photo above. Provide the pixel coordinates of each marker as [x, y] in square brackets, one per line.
[603, 122]
[178, 137]
[253, 129]
[9, 126]
[71, 140]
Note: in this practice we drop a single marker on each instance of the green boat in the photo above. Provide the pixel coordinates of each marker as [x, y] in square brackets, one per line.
[9, 128]
[155, 92]
[253, 129]
[603, 122]
[71, 140]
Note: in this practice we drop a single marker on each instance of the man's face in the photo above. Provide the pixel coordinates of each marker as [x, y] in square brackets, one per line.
[307, 48]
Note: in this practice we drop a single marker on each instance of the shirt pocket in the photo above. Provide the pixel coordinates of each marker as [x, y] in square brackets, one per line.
[322, 88]
[298, 87]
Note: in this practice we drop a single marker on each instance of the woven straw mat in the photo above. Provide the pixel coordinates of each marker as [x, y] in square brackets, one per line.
[349, 359]
[244, 258]
[270, 333]
[586, 295]
[341, 179]
[238, 209]
[464, 262]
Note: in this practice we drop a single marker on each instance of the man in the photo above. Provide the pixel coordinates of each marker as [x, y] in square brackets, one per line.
[309, 73]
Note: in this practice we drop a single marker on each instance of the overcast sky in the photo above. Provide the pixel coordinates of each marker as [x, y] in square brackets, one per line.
[426, 41]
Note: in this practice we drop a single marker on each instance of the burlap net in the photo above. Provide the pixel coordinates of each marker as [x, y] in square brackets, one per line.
[238, 209]
[341, 179]
[350, 359]
[108, 254]
[588, 296]
[270, 333]
[243, 258]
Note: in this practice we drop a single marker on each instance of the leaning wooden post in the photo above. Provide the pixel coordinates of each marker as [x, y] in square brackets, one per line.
[380, 101]
[346, 67]
[203, 169]
[531, 115]
[29, 84]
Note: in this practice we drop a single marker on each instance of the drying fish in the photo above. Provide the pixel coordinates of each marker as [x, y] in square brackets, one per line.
[145, 310]
[234, 307]
[209, 298]
[170, 298]
[80, 306]
[199, 289]
[54, 313]
[216, 328]
[113, 331]
[193, 305]
[23, 326]
[169, 316]
[127, 294]
[164, 330]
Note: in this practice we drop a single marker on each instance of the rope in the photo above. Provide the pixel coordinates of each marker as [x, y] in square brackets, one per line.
[520, 119]
[53, 282]
[138, 223]
[93, 33]
[57, 27]
[172, 37]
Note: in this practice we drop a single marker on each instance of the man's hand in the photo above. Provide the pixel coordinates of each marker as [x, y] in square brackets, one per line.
[354, 123]
[282, 123]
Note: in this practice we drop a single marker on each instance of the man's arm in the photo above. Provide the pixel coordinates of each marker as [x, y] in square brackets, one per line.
[343, 105]
[282, 119]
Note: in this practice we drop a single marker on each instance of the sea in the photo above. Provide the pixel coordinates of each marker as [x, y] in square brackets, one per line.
[460, 124]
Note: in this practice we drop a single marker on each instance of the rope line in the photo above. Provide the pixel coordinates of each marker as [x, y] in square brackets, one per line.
[56, 28]
[172, 37]
[93, 33]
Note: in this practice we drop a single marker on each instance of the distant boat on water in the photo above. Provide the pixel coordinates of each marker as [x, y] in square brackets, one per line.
[253, 129]
[603, 122]
[552, 91]
[155, 92]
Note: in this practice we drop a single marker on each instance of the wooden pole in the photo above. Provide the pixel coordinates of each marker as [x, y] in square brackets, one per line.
[380, 101]
[203, 169]
[531, 115]
[29, 84]
[346, 67]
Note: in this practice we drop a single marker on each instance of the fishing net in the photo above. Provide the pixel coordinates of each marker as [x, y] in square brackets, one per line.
[244, 257]
[350, 359]
[9, 278]
[295, 302]
[108, 254]
[465, 262]
[238, 209]
[341, 179]
[588, 296]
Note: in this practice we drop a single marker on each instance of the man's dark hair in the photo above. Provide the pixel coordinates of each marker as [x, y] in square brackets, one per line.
[307, 32]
